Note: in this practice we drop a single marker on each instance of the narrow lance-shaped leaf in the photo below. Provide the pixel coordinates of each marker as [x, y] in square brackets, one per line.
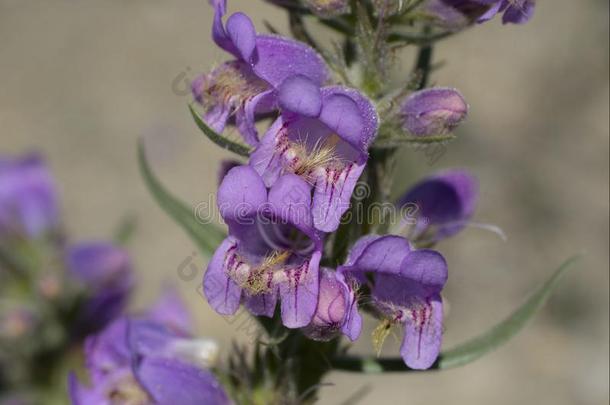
[472, 349]
[207, 236]
[222, 141]
[125, 230]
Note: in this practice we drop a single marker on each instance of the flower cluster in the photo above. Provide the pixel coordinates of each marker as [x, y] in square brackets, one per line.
[54, 292]
[150, 358]
[285, 204]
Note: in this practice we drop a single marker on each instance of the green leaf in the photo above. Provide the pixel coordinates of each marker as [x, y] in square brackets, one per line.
[207, 236]
[222, 141]
[125, 230]
[473, 349]
[413, 141]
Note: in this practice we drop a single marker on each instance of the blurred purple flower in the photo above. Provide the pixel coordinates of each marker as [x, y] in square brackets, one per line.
[444, 203]
[515, 11]
[141, 360]
[272, 248]
[323, 136]
[28, 199]
[105, 271]
[337, 310]
[435, 111]
[246, 86]
[457, 14]
[405, 289]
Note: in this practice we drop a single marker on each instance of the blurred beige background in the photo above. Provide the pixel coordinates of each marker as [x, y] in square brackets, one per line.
[82, 80]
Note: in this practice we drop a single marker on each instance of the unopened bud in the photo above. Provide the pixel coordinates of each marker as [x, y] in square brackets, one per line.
[435, 111]
[334, 301]
[328, 8]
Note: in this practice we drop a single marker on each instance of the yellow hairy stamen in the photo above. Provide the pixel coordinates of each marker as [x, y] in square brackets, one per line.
[257, 280]
[321, 154]
[380, 334]
[229, 84]
[128, 392]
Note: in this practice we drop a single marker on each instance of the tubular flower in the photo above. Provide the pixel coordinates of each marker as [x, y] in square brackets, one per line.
[337, 310]
[405, 289]
[323, 136]
[245, 87]
[105, 272]
[457, 14]
[272, 248]
[28, 199]
[443, 203]
[142, 361]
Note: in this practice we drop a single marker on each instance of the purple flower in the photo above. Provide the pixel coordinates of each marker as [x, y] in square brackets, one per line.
[456, 14]
[515, 11]
[405, 290]
[323, 136]
[272, 248]
[170, 311]
[140, 360]
[435, 111]
[28, 199]
[443, 204]
[246, 86]
[105, 272]
[337, 310]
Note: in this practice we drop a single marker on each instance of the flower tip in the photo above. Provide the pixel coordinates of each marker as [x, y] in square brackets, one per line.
[435, 111]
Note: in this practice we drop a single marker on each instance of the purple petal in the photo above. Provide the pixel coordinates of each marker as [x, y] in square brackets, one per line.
[219, 34]
[421, 274]
[421, 344]
[383, 254]
[225, 166]
[171, 311]
[108, 350]
[290, 203]
[351, 115]
[147, 338]
[262, 304]
[491, 13]
[447, 199]
[266, 158]
[300, 293]
[241, 194]
[279, 58]
[519, 13]
[105, 271]
[76, 392]
[245, 117]
[333, 193]
[222, 293]
[242, 34]
[300, 95]
[170, 381]
[353, 324]
[28, 199]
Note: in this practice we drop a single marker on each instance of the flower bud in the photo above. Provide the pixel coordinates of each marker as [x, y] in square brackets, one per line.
[328, 8]
[28, 202]
[334, 301]
[435, 111]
